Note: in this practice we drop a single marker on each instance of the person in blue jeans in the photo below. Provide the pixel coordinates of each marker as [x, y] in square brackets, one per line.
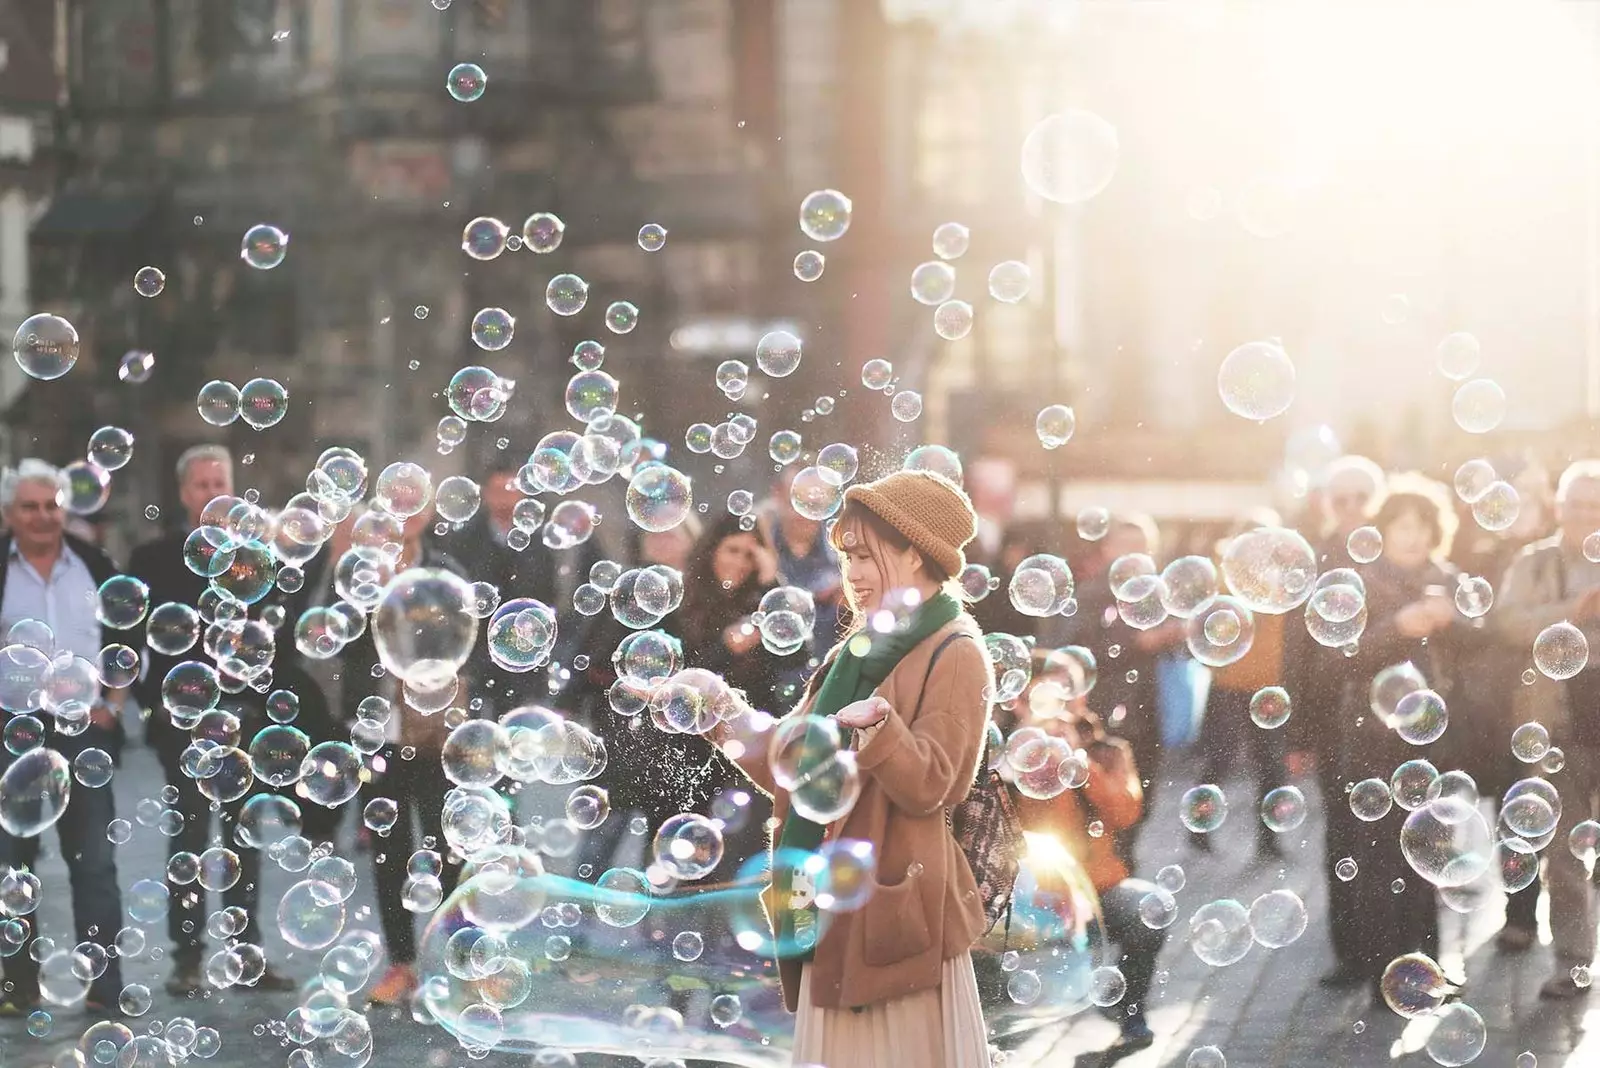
[52, 579]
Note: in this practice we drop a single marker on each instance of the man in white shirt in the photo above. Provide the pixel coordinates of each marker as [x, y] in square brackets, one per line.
[53, 579]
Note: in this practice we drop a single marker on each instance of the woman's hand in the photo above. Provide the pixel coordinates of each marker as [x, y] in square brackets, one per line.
[865, 713]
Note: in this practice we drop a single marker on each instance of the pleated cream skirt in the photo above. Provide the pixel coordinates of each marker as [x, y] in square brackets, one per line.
[940, 1028]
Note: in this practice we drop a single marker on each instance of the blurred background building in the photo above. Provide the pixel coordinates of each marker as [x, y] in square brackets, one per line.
[1356, 180]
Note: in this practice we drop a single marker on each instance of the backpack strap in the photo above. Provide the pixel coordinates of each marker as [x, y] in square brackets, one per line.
[949, 639]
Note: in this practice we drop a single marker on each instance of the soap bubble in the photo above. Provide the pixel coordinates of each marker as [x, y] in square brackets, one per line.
[1257, 381]
[809, 265]
[1270, 569]
[1054, 425]
[466, 82]
[1221, 633]
[149, 281]
[1219, 932]
[1009, 281]
[264, 246]
[1473, 479]
[1497, 507]
[1421, 717]
[1371, 799]
[121, 602]
[310, 915]
[1446, 853]
[1203, 808]
[1474, 596]
[1414, 985]
[952, 320]
[825, 215]
[566, 294]
[1070, 157]
[778, 353]
[45, 346]
[1158, 909]
[1411, 783]
[542, 233]
[1188, 584]
[659, 498]
[1458, 355]
[933, 283]
[906, 406]
[1479, 406]
[877, 374]
[110, 448]
[136, 366]
[1560, 651]
[1459, 1035]
[1277, 918]
[263, 402]
[688, 846]
[1365, 544]
[1283, 809]
[1205, 1057]
[815, 495]
[34, 792]
[1270, 707]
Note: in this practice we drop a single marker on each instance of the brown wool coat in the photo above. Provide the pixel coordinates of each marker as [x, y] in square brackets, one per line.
[925, 907]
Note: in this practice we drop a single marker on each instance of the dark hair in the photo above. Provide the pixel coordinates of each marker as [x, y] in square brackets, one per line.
[707, 607]
[1411, 494]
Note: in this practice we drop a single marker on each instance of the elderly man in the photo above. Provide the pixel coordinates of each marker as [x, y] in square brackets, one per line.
[1550, 582]
[53, 578]
[205, 472]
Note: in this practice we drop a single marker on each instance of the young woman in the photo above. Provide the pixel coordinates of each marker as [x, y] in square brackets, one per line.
[892, 982]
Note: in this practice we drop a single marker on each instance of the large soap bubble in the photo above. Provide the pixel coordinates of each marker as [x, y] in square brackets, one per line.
[1070, 157]
[424, 626]
[34, 792]
[1270, 569]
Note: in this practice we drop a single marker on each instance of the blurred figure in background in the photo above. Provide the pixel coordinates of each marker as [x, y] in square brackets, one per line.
[995, 613]
[50, 577]
[1553, 581]
[1412, 619]
[204, 473]
[1125, 695]
[402, 786]
[643, 759]
[1113, 799]
[804, 556]
[1230, 740]
[1486, 695]
[1350, 486]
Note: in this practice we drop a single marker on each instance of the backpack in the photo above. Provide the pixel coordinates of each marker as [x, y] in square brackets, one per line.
[986, 827]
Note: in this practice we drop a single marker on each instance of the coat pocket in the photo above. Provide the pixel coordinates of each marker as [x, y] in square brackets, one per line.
[894, 923]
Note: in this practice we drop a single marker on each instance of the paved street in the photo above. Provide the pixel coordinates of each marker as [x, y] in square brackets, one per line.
[1266, 1010]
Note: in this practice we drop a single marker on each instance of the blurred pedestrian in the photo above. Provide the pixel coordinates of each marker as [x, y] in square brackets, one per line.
[1553, 581]
[1111, 798]
[1412, 620]
[1125, 696]
[1230, 737]
[52, 578]
[406, 779]
[996, 613]
[205, 473]
[805, 558]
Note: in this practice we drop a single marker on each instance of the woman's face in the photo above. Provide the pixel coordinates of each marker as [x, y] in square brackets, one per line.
[872, 569]
[734, 561]
[1408, 541]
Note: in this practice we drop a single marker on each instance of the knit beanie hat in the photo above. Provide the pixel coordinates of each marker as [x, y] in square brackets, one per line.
[931, 511]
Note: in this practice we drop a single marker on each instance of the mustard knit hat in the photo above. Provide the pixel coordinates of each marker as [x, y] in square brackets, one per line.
[931, 511]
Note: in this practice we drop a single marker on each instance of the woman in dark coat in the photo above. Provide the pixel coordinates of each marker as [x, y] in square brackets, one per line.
[1412, 618]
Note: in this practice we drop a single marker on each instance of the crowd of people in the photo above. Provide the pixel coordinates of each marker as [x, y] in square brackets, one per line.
[1537, 568]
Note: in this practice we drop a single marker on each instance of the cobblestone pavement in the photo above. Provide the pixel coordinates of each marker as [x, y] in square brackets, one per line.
[1266, 1010]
